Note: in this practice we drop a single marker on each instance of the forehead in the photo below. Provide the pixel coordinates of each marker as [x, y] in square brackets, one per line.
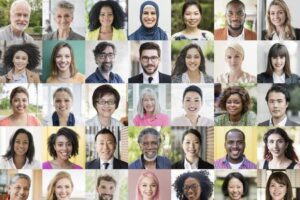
[22, 136]
[235, 181]
[149, 137]
[108, 96]
[149, 52]
[192, 51]
[23, 182]
[107, 183]
[63, 11]
[62, 94]
[275, 136]
[20, 53]
[62, 138]
[234, 135]
[235, 7]
[190, 180]
[192, 94]
[64, 50]
[192, 8]
[105, 9]
[149, 8]
[20, 8]
[276, 95]
[108, 49]
[234, 97]
[147, 180]
[20, 95]
[276, 8]
[191, 136]
[63, 181]
[231, 51]
[104, 136]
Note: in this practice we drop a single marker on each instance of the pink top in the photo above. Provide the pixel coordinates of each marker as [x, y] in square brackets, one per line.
[47, 165]
[159, 119]
[31, 121]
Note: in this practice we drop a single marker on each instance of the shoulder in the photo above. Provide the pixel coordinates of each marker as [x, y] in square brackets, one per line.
[135, 165]
[180, 121]
[79, 78]
[92, 164]
[121, 163]
[92, 122]
[250, 78]
[291, 123]
[177, 78]
[133, 36]
[166, 163]
[47, 165]
[178, 165]
[165, 78]
[5, 121]
[119, 34]
[264, 78]
[92, 78]
[33, 121]
[220, 34]
[204, 121]
[51, 79]
[207, 34]
[178, 36]
[35, 164]
[47, 121]
[49, 36]
[205, 165]
[136, 79]
[249, 163]
[250, 35]
[294, 78]
[220, 120]
[220, 30]
[76, 166]
[93, 35]
[250, 117]
[297, 33]
[264, 123]
[222, 78]
[3, 79]
[75, 36]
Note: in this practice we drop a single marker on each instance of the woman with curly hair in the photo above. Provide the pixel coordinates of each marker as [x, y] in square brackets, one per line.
[63, 66]
[147, 187]
[190, 66]
[20, 60]
[279, 187]
[236, 102]
[60, 187]
[279, 152]
[106, 21]
[194, 185]
[278, 20]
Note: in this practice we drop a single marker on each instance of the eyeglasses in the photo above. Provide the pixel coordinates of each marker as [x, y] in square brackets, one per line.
[194, 187]
[152, 58]
[102, 102]
[106, 55]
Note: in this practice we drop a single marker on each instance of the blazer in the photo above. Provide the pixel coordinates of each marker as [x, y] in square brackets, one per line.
[288, 123]
[163, 78]
[117, 164]
[264, 32]
[201, 165]
[266, 78]
[72, 36]
[221, 34]
[161, 163]
[32, 77]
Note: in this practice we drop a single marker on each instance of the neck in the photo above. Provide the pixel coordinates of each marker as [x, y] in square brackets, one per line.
[234, 75]
[276, 121]
[19, 161]
[191, 29]
[22, 116]
[64, 75]
[235, 161]
[235, 33]
[278, 73]
[62, 163]
[194, 76]
[106, 29]
[235, 118]
[105, 74]
[191, 159]
[104, 121]
[63, 33]
[18, 72]
[150, 164]
[279, 30]
[16, 32]
[193, 118]
[63, 118]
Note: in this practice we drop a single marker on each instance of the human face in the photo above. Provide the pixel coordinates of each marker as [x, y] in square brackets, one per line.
[106, 105]
[63, 148]
[192, 103]
[63, 18]
[105, 59]
[63, 59]
[149, 146]
[235, 189]
[235, 16]
[106, 16]
[19, 17]
[149, 17]
[277, 190]
[19, 190]
[149, 104]
[105, 146]
[20, 61]
[192, 60]
[235, 146]
[276, 145]
[234, 105]
[191, 146]
[19, 103]
[234, 59]
[192, 16]
[148, 188]
[192, 189]
[277, 16]
[149, 60]
[63, 189]
[106, 190]
[278, 63]
[277, 105]
[62, 103]
[21, 144]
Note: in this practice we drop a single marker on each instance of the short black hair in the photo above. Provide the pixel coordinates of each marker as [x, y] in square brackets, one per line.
[149, 46]
[101, 46]
[103, 90]
[189, 3]
[71, 135]
[281, 88]
[106, 131]
[107, 178]
[194, 132]
[239, 2]
[192, 88]
[235, 130]
[238, 176]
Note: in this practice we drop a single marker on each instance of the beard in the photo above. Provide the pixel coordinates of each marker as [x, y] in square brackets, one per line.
[149, 159]
[147, 70]
[106, 67]
[241, 26]
[105, 197]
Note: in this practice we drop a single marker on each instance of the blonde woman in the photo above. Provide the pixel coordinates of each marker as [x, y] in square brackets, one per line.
[60, 187]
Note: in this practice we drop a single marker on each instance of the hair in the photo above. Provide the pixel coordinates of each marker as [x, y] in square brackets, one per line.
[104, 90]
[188, 4]
[194, 132]
[18, 176]
[54, 68]
[140, 107]
[280, 88]
[238, 2]
[101, 46]
[192, 88]
[17, 90]
[106, 131]
[281, 178]
[203, 179]
[149, 46]
[235, 130]
[238, 176]
[180, 64]
[63, 89]
[10, 153]
[242, 92]
[71, 135]
[289, 152]
[32, 51]
[150, 131]
[278, 50]
[237, 47]
[119, 15]
[289, 33]
[24, 2]
[148, 174]
[107, 178]
[65, 5]
[51, 187]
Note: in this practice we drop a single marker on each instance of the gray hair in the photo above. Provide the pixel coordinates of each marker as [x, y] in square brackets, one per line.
[151, 131]
[150, 92]
[18, 176]
[237, 47]
[65, 5]
[24, 2]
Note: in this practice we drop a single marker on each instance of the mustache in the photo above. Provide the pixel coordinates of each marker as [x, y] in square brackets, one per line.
[105, 196]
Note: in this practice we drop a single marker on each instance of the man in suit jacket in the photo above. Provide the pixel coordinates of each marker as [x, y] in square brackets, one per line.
[105, 146]
[150, 59]
[235, 18]
[278, 98]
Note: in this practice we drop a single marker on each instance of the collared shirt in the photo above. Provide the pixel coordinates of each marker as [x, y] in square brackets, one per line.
[238, 38]
[223, 163]
[7, 34]
[9, 164]
[278, 79]
[281, 123]
[22, 78]
[95, 121]
[186, 79]
[194, 165]
[276, 36]
[155, 77]
[97, 77]
[110, 163]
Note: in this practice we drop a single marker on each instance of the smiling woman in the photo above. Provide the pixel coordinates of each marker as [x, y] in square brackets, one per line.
[147, 187]
[279, 187]
[235, 186]
[60, 187]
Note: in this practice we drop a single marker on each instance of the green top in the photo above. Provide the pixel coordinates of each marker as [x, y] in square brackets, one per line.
[248, 119]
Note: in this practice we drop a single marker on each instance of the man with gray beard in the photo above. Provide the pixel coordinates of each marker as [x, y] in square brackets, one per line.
[104, 54]
[106, 187]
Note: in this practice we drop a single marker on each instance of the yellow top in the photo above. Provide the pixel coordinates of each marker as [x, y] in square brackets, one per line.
[118, 34]
[78, 78]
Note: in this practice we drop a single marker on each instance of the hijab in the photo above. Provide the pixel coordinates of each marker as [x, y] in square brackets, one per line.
[154, 33]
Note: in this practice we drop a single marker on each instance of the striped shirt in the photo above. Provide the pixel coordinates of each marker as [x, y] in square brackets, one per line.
[223, 163]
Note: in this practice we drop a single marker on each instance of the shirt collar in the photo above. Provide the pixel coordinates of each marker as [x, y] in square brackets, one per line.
[278, 79]
[110, 162]
[155, 77]
[194, 165]
[238, 38]
[281, 123]
[101, 78]
[143, 162]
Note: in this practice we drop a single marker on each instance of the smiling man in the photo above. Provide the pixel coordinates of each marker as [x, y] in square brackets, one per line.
[235, 18]
[106, 187]
[19, 20]
[150, 59]
[234, 146]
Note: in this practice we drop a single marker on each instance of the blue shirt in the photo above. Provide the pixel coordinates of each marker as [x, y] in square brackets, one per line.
[97, 77]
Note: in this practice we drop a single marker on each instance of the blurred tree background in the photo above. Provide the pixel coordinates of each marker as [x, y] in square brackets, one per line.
[207, 21]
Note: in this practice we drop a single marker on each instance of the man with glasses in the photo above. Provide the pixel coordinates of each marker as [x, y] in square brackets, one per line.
[278, 98]
[235, 18]
[149, 142]
[150, 59]
[104, 56]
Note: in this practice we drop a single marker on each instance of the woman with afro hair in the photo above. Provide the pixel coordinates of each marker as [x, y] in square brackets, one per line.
[19, 60]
